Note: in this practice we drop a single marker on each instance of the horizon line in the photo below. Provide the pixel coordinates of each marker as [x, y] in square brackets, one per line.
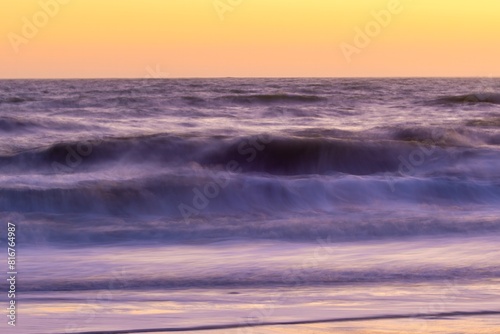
[257, 77]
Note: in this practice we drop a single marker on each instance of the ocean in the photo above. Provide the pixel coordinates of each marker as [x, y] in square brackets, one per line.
[252, 205]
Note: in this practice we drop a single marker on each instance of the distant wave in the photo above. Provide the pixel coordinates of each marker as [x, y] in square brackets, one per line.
[14, 99]
[493, 98]
[272, 98]
[455, 314]
[194, 100]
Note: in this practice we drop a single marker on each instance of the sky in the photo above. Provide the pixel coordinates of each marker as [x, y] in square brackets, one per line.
[248, 38]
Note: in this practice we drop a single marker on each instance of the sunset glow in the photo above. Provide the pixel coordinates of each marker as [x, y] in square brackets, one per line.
[243, 38]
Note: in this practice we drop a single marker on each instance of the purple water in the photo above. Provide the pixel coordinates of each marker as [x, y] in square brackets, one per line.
[189, 202]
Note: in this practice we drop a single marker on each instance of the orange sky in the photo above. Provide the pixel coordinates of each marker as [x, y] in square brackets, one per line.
[248, 38]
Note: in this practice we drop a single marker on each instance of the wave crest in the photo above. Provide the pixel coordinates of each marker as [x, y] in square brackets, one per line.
[493, 98]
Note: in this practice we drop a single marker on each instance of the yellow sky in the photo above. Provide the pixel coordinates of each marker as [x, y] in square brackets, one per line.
[263, 38]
